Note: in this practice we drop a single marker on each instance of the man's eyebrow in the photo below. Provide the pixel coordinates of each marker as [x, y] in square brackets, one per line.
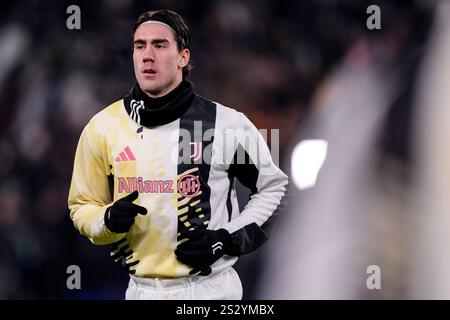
[139, 41]
[157, 41]
[154, 41]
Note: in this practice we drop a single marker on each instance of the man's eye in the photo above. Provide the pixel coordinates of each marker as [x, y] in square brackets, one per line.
[139, 47]
[158, 46]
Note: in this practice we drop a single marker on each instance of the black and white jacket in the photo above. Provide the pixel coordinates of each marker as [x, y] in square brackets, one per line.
[183, 156]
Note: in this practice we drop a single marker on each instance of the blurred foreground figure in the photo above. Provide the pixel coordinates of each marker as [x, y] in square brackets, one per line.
[376, 223]
[430, 225]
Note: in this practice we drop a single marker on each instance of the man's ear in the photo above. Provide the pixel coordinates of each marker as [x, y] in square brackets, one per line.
[184, 58]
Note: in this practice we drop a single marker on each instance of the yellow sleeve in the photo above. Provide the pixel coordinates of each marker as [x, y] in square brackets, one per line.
[89, 194]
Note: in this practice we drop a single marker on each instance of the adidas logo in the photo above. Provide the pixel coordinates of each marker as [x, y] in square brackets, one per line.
[125, 155]
[217, 246]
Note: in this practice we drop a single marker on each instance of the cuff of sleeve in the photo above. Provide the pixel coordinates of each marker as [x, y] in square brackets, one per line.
[99, 228]
[106, 218]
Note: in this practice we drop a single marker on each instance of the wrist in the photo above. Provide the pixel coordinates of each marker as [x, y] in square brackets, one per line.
[227, 241]
[107, 218]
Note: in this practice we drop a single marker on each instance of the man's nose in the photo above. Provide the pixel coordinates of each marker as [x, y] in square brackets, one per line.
[149, 55]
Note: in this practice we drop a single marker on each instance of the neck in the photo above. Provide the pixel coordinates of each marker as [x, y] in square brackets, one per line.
[149, 111]
[160, 100]
[159, 94]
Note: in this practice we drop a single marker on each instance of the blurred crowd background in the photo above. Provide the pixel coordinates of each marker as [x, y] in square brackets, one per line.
[310, 68]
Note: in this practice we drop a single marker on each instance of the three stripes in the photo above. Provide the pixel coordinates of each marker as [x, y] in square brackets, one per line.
[125, 155]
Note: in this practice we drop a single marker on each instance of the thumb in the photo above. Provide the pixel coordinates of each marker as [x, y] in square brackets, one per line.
[131, 197]
[141, 210]
[201, 272]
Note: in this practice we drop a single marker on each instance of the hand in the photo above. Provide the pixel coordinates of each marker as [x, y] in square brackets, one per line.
[203, 248]
[120, 216]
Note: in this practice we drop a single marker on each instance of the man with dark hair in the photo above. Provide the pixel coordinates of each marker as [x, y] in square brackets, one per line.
[170, 18]
[154, 176]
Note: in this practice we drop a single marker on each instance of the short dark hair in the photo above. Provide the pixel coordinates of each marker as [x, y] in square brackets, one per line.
[176, 22]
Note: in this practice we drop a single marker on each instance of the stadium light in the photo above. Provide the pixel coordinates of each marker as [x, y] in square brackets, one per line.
[307, 160]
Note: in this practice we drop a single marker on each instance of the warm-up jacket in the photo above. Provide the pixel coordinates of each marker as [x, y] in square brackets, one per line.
[185, 172]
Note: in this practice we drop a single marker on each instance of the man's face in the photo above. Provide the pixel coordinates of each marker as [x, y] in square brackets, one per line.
[157, 63]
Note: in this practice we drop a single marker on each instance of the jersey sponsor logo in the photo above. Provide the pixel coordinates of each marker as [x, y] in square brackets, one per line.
[125, 155]
[188, 185]
[130, 184]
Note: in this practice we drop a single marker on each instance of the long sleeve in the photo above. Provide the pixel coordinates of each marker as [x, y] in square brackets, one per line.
[89, 194]
[253, 166]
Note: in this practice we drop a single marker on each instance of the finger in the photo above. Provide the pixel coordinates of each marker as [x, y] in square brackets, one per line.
[194, 271]
[186, 257]
[132, 209]
[139, 209]
[185, 261]
[194, 234]
[181, 254]
[188, 260]
[201, 271]
[206, 271]
[131, 197]
[190, 245]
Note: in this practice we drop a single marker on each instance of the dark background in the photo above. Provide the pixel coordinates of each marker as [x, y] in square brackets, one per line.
[266, 58]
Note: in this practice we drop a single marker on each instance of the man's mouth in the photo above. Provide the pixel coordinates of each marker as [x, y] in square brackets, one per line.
[149, 71]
